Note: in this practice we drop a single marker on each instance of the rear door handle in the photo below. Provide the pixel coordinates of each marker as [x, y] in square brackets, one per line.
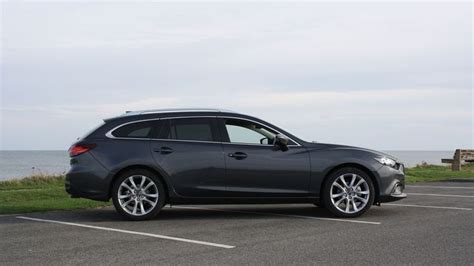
[163, 150]
[238, 155]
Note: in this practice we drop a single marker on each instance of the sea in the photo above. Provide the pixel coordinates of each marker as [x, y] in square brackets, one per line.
[18, 164]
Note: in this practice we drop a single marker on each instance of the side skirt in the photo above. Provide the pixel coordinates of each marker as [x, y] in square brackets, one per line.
[178, 201]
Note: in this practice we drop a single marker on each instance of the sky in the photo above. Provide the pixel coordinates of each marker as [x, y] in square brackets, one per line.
[387, 76]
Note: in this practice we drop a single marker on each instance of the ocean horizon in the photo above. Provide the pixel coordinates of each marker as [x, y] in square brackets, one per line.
[21, 163]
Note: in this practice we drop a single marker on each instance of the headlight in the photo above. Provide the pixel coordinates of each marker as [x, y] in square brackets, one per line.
[386, 161]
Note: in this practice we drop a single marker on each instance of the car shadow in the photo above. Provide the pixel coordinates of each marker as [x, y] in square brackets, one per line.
[181, 212]
[201, 212]
[241, 212]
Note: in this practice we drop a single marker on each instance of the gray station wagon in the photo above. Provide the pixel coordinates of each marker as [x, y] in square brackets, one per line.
[146, 159]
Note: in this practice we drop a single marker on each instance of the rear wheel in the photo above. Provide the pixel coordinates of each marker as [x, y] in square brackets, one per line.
[138, 194]
[348, 192]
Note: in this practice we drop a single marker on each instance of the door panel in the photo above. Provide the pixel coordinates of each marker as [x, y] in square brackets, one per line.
[189, 151]
[194, 169]
[256, 168]
[265, 171]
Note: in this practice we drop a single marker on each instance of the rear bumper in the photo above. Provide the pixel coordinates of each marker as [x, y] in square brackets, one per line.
[89, 182]
[79, 191]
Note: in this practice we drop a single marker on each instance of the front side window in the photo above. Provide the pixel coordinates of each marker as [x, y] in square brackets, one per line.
[198, 129]
[134, 130]
[241, 131]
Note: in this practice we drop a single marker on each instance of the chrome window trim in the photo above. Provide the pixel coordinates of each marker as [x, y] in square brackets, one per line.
[109, 133]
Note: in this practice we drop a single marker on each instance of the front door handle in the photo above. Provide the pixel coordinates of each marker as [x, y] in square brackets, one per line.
[163, 150]
[238, 155]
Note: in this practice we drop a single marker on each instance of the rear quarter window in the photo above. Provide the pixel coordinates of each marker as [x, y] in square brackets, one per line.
[135, 130]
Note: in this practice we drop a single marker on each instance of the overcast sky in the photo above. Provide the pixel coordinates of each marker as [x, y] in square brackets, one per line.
[383, 76]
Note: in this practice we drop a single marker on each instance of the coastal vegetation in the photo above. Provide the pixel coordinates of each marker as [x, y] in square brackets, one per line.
[46, 193]
[39, 193]
[428, 173]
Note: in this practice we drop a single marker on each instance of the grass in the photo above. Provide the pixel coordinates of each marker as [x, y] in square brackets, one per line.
[426, 173]
[46, 193]
[39, 193]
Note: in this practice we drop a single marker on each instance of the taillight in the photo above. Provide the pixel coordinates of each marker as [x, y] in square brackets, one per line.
[80, 148]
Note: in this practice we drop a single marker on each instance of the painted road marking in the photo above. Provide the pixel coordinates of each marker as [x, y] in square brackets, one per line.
[441, 187]
[279, 214]
[128, 232]
[441, 195]
[425, 206]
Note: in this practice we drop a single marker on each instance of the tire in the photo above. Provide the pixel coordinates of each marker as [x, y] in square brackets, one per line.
[352, 198]
[141, 199]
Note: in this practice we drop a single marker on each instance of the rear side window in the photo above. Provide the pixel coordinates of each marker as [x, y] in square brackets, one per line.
[134, 130]
[199, 129]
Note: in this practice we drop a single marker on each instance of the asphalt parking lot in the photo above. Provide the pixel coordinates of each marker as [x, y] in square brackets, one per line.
[435, 224]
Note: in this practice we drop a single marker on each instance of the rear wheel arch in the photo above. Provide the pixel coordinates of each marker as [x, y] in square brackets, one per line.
[361, 167]
[167, 187]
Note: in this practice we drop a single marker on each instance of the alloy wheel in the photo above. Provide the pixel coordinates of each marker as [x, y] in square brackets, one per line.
[349, 193]
[138, 195]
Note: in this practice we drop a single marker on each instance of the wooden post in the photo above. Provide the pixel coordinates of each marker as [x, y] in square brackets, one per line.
[456, 166]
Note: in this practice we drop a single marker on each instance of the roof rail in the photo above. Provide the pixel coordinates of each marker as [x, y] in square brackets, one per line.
[176, 110]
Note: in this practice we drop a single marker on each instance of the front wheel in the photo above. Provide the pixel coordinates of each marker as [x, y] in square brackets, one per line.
[348, 193]
[138, 194]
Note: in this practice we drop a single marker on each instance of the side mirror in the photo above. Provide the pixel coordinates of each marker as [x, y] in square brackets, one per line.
[282, 142]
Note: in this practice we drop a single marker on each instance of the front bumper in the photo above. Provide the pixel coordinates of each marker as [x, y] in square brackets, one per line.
[391, 184]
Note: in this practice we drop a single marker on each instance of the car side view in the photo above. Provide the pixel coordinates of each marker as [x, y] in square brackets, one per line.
[146, 159]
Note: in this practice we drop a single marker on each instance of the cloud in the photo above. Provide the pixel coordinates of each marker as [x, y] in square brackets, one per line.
[353, 73]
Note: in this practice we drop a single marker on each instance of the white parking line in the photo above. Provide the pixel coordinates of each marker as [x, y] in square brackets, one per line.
[441, 187]
[128, 232]
[441, 195]
[431, 207]
[280, 214]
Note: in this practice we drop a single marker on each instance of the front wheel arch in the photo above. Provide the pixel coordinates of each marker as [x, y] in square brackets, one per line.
[353, 165]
